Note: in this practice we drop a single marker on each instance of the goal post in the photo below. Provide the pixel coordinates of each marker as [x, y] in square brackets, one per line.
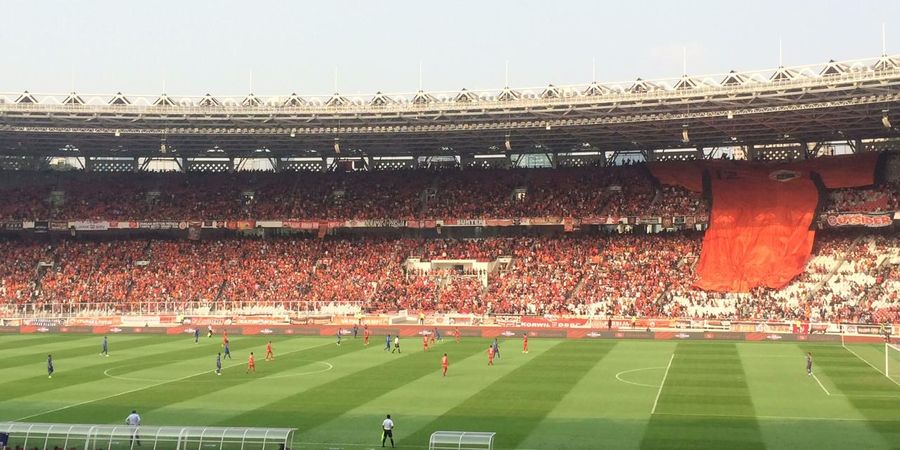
[868, 349]
[892, 361]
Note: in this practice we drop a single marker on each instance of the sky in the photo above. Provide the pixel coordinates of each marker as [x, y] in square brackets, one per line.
[224, 47]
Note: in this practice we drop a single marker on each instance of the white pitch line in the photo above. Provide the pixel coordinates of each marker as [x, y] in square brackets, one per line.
[665, 375]
[871, 365]
[62, 408]
[744, 416]
[821, 385]
[338, 445]
[865, 396]
[618, 376]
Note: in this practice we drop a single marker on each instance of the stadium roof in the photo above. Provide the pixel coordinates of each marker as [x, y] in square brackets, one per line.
[834, 101]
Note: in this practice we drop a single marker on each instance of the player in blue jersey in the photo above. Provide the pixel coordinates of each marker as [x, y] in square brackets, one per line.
[338, 334]
[496, 348]
[228, 349]
[105, 351]
[387, 342]
[219, 364]
[809, 361]
[49, 366]
[196, 335]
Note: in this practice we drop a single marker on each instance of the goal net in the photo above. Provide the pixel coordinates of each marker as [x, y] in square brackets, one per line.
[892, 362]
[882, 356]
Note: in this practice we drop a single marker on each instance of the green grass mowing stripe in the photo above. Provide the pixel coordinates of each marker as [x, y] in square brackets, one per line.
[64, 378]
[308, 409]
[60, 349]
[146, 351]
[422, 400]
[160, 394]
[865, 388]
[729, 395]
[18, 341]
[515, 404]
[210, 408]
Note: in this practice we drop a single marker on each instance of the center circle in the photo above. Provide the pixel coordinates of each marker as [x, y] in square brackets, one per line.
[642, 369]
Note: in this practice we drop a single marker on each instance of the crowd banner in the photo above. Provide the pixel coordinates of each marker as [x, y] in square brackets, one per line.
[122, 225]
[686, 174]
[162, 225]
[89, 225]
[269, 224]
[843, 171]
[872, 220]
[760, 228]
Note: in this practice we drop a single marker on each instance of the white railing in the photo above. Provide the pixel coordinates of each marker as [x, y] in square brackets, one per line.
[199, 308]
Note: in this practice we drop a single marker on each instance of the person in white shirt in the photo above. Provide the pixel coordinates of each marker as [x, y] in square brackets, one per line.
[134, 420]
[387, 428]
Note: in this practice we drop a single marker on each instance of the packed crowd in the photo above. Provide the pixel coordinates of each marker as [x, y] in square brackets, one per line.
[413, 194]
[881, 198]
[851, 277]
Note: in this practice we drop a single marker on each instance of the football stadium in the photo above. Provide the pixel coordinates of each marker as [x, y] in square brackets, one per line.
[694, 262]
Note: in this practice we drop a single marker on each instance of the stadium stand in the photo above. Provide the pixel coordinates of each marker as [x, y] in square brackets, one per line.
[501, 193]
[621, 268]
[851, 277]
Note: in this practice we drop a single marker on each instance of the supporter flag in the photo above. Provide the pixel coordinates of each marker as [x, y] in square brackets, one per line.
[687, 174]
[759, 233]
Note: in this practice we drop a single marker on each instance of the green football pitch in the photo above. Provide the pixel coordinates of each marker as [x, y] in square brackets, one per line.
[561, 395]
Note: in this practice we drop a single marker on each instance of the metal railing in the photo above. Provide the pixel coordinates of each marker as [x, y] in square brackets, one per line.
[291, 308]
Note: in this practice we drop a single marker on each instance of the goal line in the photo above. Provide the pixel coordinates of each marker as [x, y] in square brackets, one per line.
[884, 357]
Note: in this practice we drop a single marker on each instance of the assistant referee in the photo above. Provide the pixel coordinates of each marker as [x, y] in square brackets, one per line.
[387, 431]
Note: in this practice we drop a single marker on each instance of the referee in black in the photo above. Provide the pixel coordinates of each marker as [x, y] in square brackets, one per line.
[387, 431]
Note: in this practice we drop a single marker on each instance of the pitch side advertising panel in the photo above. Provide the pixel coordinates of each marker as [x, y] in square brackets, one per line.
[552, 322]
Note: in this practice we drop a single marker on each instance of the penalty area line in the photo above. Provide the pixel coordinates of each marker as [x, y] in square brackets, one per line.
[747, 416]
[821, 385]
[150, 386]
[663, 383]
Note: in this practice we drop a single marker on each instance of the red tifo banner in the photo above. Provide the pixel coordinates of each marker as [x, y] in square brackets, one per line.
[759, 232]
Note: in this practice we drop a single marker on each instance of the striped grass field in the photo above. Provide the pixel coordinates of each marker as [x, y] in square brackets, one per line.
[561, 395]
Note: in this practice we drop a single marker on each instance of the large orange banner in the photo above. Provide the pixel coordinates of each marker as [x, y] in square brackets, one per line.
[759, 232]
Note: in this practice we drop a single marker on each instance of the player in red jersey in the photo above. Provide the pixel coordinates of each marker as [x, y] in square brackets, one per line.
[456, 331]
[433, 335]
[490, 355]
[524, 342]
[224, 337]
[269, 355]
[444, 364]
[425, 342]
[366, 335]
[251, 364]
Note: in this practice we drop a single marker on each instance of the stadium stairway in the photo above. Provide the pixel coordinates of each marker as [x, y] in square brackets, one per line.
[834, 270]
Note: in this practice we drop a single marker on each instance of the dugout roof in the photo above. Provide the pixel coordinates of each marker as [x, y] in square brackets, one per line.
[38, 435]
